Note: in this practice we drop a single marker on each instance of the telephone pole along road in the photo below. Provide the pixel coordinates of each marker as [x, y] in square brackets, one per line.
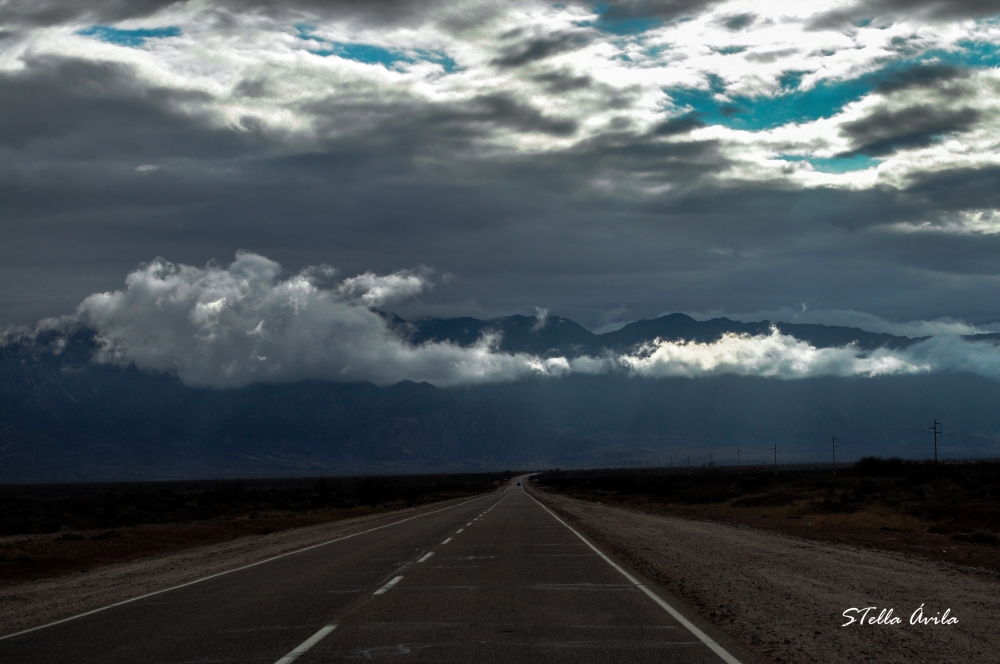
[499, 578]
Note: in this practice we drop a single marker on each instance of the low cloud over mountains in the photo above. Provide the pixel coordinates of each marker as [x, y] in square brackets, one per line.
[232, 326]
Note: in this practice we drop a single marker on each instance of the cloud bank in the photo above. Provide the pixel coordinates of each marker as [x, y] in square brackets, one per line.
[687, 154]
[231, 326]
[245, 323]
[776, 355]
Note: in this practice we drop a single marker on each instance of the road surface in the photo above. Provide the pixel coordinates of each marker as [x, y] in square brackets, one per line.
[495, 579]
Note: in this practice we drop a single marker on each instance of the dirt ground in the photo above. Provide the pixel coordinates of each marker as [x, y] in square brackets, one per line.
[35, 602]
[883, 531]
[26, 558]
[784, 596]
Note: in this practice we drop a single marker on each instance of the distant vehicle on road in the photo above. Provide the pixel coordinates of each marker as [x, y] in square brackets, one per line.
[519, 484]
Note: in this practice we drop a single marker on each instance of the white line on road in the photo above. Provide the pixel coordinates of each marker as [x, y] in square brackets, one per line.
[429, 554]
[446, 541]
[459, 530]
[381, 591]
[716, 648]
[237, 569]
[306, 645]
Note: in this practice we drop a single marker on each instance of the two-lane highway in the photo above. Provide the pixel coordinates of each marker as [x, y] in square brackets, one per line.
[495, 579]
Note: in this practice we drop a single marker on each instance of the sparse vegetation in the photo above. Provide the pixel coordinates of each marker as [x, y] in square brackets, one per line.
[896, 502]
[39, 509]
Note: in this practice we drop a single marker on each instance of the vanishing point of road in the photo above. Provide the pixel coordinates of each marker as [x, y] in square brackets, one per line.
[498, 578]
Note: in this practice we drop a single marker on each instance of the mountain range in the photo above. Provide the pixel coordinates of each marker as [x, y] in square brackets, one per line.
[65, 418]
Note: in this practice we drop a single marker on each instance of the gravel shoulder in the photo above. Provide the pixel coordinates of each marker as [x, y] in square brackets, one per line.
[35, 603]
[784, 597]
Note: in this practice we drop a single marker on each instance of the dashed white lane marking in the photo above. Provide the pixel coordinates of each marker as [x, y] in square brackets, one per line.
[306, 645]
[469, 523]
[446, 541]
[237, 569]
[429, 554]
[704, 638]
[381, 591]
[459, 530]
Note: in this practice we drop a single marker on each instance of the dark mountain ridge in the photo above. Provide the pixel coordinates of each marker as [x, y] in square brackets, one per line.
[553, 335]
[65, 418]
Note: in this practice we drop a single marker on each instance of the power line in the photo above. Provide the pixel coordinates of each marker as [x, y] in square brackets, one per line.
[937, 432]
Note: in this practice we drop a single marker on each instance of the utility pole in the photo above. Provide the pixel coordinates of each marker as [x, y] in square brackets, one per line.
[937, 432]
[776, 450]
[833, 448]
[709, 459]
[738, 461]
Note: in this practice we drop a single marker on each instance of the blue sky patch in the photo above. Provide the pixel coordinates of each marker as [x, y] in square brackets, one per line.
[620, 25]
[133, 38]
[371, 54]
[858, 162]
[822, 100]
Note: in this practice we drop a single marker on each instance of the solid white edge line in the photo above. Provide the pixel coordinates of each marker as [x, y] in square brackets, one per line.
[236, 569]
[716, 648]
[381, 591]
[429, 554]
[306, 645]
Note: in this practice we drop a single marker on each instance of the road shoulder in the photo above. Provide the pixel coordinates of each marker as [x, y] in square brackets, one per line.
[783, 598]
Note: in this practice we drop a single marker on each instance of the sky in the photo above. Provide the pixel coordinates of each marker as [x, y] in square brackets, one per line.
[817, 162]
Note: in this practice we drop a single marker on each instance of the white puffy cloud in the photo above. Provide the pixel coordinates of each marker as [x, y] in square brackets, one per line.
[231, 326]
[375, 291]
[775, 355]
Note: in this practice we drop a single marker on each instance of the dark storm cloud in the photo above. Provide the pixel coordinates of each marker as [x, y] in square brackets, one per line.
[681, 125]
[537, 48]
[739, 21]
[437, 126]
[767, 57]
[562, 81]
[56, 12]
[941, 10]
[503, 110]
[90, 110]
[666, 9]
[957, 189]
[927, 76]
[635, 218]
[46, 13]
[885, 132]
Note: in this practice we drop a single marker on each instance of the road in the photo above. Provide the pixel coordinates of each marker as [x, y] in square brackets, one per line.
[496, 579]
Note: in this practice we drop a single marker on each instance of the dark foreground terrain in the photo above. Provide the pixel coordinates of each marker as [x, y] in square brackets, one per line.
[48, 530]
[944, 511]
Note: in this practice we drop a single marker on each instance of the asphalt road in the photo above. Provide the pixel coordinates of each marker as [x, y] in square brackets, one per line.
[496, 579]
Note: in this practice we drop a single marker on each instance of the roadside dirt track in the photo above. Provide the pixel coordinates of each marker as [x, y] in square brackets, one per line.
[784, 597]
